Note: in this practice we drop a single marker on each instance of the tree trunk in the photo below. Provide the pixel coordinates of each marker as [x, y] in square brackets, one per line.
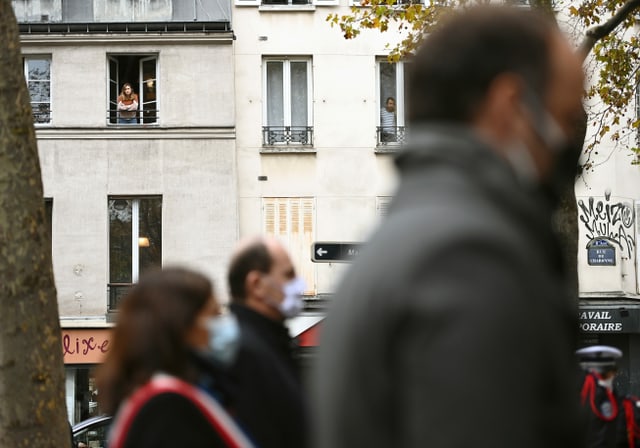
[32, 403]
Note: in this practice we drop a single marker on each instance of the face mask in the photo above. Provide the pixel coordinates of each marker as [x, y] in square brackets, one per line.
[224, 338]
[566, 152]
[292, 304]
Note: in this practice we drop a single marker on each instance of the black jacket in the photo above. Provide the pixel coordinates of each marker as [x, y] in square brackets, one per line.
[268, 401]
[455, 326]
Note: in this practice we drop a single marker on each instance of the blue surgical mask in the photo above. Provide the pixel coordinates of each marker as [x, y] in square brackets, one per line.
[224, 338]
[292, 304]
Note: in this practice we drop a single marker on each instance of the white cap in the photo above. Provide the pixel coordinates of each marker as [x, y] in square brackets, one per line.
[598, 356]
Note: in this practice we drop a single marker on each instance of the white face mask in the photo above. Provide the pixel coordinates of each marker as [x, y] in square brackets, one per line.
[224, 338]
[292, 304]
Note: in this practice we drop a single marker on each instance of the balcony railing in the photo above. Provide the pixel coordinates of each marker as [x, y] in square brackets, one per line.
[116, 292]
[390, 136]
[286, 2]
[287, 135]
[146, 116]
[42, 116]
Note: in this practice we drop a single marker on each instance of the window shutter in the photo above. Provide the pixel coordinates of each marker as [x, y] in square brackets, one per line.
[382, 206]
[291, 220]
[269, 216]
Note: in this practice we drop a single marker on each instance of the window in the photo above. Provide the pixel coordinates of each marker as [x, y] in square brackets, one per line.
[287, 113]
[141, 72]
[37, 73]
[135, 242]
[291, 220]
[391, 100]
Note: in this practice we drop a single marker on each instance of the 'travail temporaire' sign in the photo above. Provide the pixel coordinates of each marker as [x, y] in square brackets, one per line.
[601, 321]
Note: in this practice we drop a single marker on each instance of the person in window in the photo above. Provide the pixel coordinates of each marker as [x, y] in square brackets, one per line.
[127, 105]
[150, 379]
[388, 121]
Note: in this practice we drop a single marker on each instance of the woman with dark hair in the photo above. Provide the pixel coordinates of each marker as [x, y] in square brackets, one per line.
[150, 380]
[127, 105]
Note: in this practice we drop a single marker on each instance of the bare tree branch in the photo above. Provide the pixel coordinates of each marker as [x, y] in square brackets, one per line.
[596, 33]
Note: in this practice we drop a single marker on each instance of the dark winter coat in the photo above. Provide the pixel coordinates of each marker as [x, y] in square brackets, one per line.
[268, 402]
[455, 326]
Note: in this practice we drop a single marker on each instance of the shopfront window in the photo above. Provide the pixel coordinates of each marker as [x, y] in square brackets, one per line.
[81, 388]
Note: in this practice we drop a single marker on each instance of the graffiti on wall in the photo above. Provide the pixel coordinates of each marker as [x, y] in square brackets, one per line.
[613, 221]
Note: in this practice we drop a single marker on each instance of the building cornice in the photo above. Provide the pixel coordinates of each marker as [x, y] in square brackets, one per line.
[126, 33]
[137, 133]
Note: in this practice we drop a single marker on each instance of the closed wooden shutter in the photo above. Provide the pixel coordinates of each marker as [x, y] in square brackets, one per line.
[291, 220]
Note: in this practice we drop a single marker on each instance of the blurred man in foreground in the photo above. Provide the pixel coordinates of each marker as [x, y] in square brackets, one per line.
[456, 325]
[265, 291]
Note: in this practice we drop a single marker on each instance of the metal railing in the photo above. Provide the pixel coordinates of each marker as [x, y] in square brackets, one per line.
[146, 116]
[115, 292]
[390, 136]
[41, 117]
[286, 2]
[287, 135]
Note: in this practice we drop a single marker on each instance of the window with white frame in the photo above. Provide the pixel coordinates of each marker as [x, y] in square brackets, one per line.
[291, 220]
[37, 73]
[391, 102]
[140, 72]
[135, 241]
[287, 105]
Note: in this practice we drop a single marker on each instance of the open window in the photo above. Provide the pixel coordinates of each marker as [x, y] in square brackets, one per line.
[141, 72]
[391, 100]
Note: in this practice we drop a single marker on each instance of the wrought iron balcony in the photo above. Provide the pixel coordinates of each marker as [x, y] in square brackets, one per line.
[146, 116]
[287, 135]
[390, 136]
[286, 2]
[116, 292]
[41, 115]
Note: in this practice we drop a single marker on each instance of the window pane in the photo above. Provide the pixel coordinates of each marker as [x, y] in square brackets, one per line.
[387, 82]
[150, 234]
[39, 69]
[275, 102]
[120, 250]
[39, 91]
[299, 94]
[148, 91]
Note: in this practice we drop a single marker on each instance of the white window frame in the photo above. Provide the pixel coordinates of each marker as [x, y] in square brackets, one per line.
[286, 87]
[135, 232]
[113, 58]
[292, 234]
[25, 65]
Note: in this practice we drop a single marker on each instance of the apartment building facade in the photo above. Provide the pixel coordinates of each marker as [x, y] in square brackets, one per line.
[272, 126]
[126, 197]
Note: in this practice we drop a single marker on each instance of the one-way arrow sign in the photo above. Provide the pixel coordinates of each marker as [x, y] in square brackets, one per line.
[332, 252]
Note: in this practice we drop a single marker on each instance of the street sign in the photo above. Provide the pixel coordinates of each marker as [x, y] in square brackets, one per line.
[331, 252]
